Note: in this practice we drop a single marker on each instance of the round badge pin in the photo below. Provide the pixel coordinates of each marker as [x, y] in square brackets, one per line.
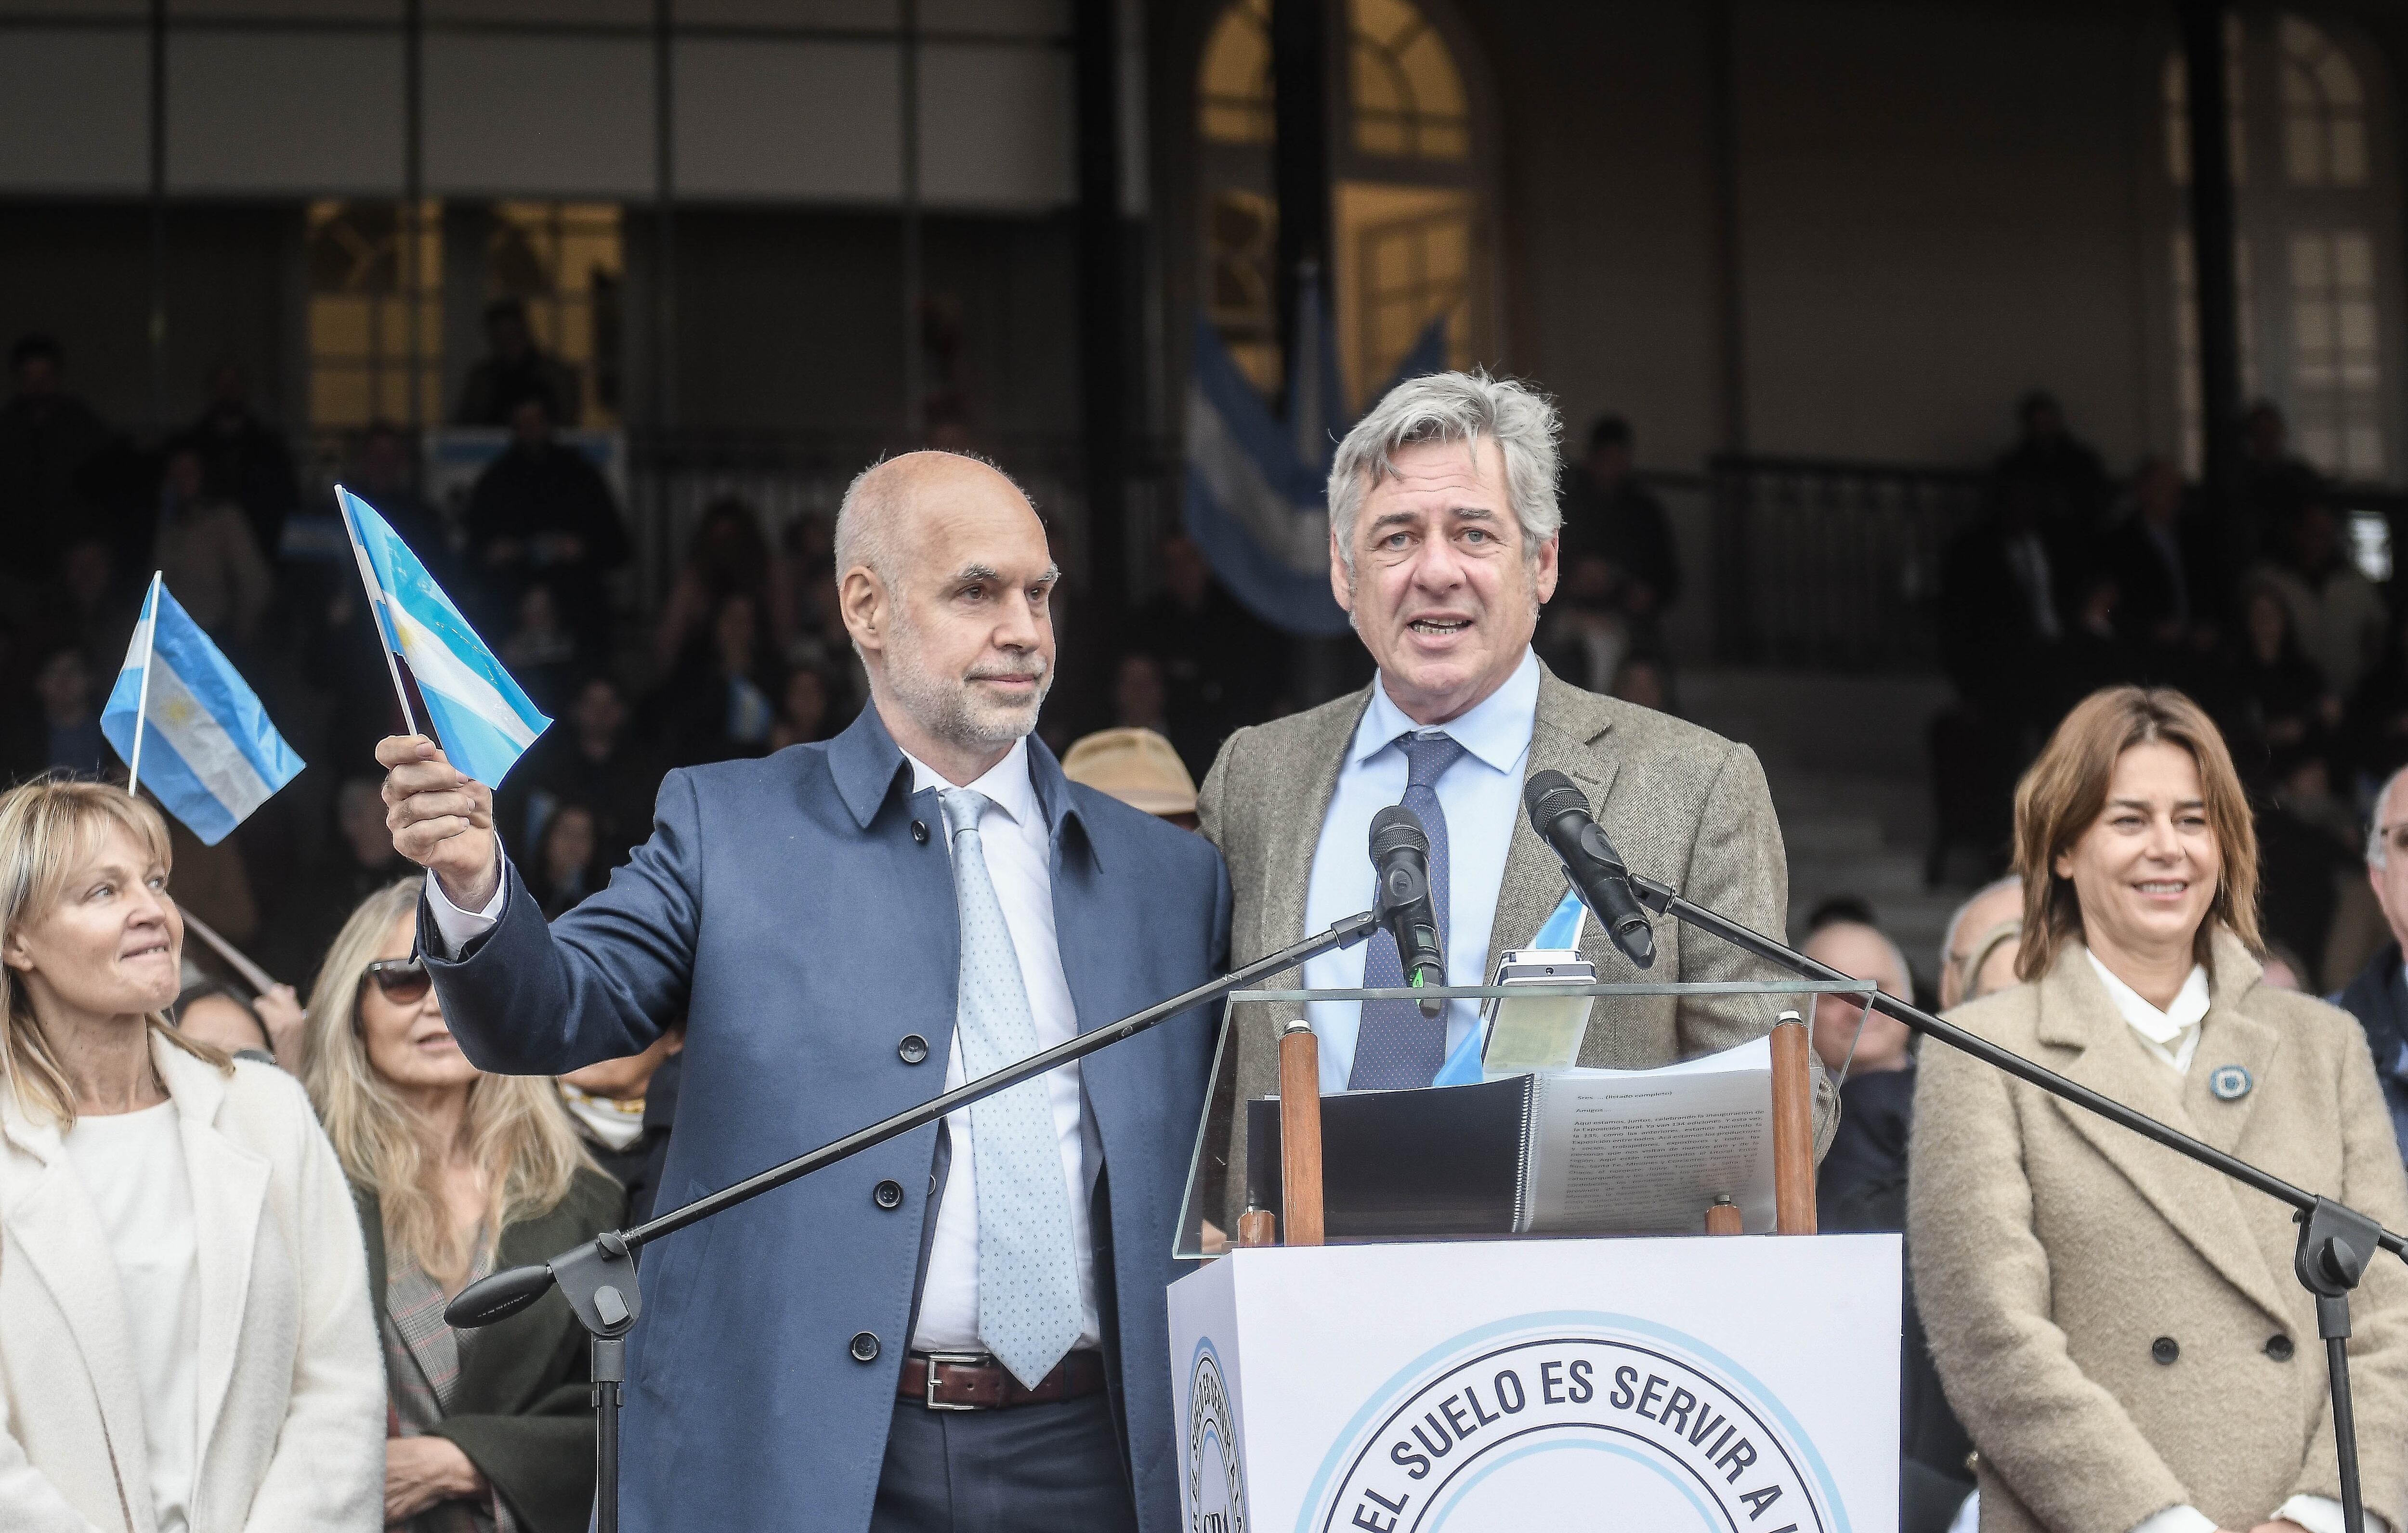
[2229, 1083]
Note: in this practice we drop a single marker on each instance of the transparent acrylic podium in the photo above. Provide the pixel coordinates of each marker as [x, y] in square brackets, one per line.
[1623, 1380]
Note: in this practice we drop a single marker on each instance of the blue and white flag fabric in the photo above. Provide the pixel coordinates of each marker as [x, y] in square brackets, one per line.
[482, 720]
[1258, 484]
[207, 750]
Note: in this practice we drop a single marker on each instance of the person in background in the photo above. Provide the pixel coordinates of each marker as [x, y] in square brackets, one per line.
[804, 707]
[590, 758]
[563, 874]
[245, 462]
[2378, 996]
[728, 557]
[515, 368]
[1861, 1186]
[715, 705]
[609, 1104]
[209, 1012]
[542, 514]
[356, 862]
[1221, 664]
[48, 437]
[2274, 482]
[2068, 472]
[64, 735]
[1645, 678]
[207, 553]
[2169, 570]
[1139, 769]
[455, 1174]
[1608, 515]
[542, 653]
[1138, 696]
[2335, 609]
[1977, 955]
[2286, 970]
[184, 1335]
[2279, 700]
[2114, 1322]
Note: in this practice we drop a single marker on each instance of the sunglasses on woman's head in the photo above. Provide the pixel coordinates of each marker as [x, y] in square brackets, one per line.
[400, 980]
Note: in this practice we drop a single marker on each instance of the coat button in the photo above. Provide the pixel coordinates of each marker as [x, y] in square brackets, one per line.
[920, 831]
[865, 1347]
[889, 1196]
[914, 1049]
[2279, 1347]
[2165, 1349]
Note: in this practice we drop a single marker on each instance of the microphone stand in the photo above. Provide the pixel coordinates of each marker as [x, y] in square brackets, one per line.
[598, 1278]
[2336, 1242]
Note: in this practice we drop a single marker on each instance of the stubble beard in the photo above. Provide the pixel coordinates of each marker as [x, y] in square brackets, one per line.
[948, 707]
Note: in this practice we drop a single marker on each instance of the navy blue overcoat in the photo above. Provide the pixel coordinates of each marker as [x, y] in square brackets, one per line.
[793, 910]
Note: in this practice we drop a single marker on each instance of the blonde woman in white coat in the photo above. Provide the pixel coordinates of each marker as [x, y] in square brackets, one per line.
[185, 1342]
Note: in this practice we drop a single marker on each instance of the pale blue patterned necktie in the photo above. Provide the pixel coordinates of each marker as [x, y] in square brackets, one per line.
[1029, 1312]
[1395, 1045]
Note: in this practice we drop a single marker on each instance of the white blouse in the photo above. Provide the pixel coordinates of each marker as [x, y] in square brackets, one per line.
[132, 1166]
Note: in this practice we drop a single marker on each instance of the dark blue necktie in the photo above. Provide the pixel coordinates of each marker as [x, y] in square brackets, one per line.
[1395, 1045]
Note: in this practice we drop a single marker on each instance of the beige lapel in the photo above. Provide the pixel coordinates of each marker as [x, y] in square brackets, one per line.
[1563, 738]
[229, 1185]
[2076, 1012]
[2228, 1036]
[51, 1220]
[1292, 825]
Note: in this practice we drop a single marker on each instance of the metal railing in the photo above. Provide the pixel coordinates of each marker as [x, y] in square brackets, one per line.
[1829, 565]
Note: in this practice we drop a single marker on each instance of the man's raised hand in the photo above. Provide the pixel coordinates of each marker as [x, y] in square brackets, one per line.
[441, 819]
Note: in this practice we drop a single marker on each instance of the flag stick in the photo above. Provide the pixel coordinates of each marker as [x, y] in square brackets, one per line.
[142, 693]
[252, 973]
[378, 612]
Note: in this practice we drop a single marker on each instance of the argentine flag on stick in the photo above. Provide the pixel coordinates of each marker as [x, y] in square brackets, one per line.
[183, 711]
[481, 718]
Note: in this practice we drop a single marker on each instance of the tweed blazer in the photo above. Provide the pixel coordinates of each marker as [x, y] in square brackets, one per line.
[2118, 1326]
[1679, 802]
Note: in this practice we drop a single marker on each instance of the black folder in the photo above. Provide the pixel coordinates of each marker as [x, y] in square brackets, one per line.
[1436, 1163]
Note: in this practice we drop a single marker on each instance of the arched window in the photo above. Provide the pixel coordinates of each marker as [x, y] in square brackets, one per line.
[1409, 209]
[2317, 239]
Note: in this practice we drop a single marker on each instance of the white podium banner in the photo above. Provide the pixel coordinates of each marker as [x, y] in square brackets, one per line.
[1693, 1384]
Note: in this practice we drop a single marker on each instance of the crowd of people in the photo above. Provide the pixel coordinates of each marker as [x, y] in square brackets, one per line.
[236, 1217]
[2072, 581]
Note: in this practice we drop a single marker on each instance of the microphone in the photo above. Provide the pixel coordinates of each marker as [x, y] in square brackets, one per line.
[1400, 851]
[1559, 813]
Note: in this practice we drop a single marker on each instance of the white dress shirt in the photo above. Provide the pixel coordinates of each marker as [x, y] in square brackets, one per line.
[1482, 796]
[1019, 846]
[2172, 1036]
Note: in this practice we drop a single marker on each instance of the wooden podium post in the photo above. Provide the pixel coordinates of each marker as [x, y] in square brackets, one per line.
[1300, 1136]
[1792, 1127]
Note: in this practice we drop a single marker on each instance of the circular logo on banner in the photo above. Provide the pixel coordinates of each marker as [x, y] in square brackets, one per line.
[1217, 1482]
[1545, 1419]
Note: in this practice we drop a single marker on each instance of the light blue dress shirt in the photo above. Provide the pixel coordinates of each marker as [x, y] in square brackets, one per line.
[1481, 795]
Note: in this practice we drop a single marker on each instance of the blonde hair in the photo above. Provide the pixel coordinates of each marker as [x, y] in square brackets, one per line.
[2061, 795]
[47, 828]
[515, 1131]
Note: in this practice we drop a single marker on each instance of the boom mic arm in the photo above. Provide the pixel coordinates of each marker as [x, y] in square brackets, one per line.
[1400, 853]
[1559, 813]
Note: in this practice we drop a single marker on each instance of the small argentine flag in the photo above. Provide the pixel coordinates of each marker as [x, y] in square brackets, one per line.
[483, 721]
[179, 709]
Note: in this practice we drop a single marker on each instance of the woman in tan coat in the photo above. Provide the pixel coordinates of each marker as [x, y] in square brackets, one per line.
[2117, 1325]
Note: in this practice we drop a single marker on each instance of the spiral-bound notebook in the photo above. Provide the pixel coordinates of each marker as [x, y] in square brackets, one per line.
[1561, 1153]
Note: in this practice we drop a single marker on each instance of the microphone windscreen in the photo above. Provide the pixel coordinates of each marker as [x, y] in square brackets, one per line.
[1548, 797]
[1395, 827]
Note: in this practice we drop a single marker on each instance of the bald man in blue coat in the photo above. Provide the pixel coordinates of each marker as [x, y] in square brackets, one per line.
[964, 1328]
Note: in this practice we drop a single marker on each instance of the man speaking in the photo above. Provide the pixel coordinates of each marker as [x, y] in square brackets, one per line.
[962, 1328]
[1442, 533]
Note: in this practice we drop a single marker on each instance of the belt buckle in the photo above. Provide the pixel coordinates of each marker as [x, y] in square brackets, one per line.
[934, 1359]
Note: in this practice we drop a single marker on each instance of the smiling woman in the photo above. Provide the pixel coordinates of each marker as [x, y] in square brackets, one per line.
[2114, 1324]
[163, 1203]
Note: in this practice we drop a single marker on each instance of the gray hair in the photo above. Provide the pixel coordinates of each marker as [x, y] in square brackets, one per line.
[1957, 917]
[1453, 407]
[2377, 854]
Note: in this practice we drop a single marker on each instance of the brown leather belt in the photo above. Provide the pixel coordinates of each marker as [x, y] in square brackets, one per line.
[972, 1381]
